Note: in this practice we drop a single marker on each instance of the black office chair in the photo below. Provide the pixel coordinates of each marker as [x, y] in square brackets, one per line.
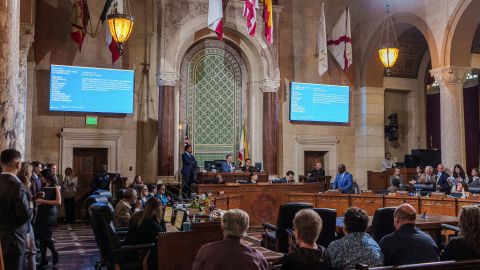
[105, 193]
[474, 190]
[425, 187]
[95, 199]
[329, 217]
[275, 237]
[382, 223]
[114, 255]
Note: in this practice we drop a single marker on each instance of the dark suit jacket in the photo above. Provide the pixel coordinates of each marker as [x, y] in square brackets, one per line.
[443, 183]
[189, 164]
[15, 213]
[36, 184]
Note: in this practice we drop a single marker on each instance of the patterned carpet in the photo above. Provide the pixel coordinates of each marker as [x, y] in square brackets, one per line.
[78, 249]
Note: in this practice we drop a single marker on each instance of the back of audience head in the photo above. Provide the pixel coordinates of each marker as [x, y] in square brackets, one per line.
[219, 179]
[235, 223]
[355, 220]
[11, 160]
[49, 176]
[152, 210]
[469, 224]
[130, 195]
[25, 174]
[404, 214]
[308, 225]
[152, 188]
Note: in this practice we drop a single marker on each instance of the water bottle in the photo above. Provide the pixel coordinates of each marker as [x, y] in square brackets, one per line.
[187, 225]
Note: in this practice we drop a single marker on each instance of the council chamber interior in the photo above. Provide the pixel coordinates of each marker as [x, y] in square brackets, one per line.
[144, 134]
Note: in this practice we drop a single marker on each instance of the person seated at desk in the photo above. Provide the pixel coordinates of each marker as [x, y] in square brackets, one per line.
[427, 178]
[152, 191]
[397, 177]
[419, 170]
[462, 188]
[253, 177]
[387, 163]
[123, 210]
[394, 185]
[146, 229]
[287, 179]
[248, 166]
[467, 247]
[343, 180]
[307, 226]
[228, 166]
[162, 196]
[230, 253]
[475, 180]
[407, 244]
[317, 171]
[442, 179]
[219, 179]
[357, 246]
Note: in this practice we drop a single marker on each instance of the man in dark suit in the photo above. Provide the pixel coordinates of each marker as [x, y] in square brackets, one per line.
[248, 166]
[36, 182]
[442, 179]
[15, 211]
[188, 169]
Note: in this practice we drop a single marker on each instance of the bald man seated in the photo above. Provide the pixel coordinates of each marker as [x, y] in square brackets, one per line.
[408, 244]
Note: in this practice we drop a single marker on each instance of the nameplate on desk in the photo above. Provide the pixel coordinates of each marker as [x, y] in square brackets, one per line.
[263, 183]
[232, 184]
[221, 192]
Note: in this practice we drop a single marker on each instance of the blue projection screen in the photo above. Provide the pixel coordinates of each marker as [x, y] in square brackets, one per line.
[319, 103]
[85, 89]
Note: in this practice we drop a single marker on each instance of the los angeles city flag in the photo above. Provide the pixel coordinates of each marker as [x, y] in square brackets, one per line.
[268, 19]
[243, 151]
[215, 15]
[108, 8]
[340, 41]
[79, 20]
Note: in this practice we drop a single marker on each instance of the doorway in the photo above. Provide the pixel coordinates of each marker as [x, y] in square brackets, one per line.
[86, 162]
[311, 158]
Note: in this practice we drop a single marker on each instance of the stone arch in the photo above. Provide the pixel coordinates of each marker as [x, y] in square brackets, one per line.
[371, 65]
[459, 34]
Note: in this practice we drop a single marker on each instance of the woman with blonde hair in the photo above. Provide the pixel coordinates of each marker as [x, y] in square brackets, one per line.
[25, 175]
[467, 247]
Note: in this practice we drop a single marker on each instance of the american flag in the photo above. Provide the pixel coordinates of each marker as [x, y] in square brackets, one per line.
[186, 140]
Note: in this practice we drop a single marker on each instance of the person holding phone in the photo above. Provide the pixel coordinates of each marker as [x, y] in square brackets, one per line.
[47, 215]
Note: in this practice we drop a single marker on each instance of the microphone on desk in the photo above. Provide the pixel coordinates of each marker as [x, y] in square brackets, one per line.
[424, 214]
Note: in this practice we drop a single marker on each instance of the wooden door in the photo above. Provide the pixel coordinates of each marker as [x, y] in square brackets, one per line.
[86, 163]
[311, 158]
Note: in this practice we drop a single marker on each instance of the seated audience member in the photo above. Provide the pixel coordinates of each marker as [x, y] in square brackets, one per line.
[253, 177]
[152, 191]
[137, 184]
[308, 256]
[442, 179]
[123, 210]
[219, 179]
[162, 195]
[142, 197]
[395, 186]
[408, 244]
[147, 227]
[396, 175]
[387, 163]
[357, 246]
[228, 166]
[343, 180]
[101, 180]
[230, 253]
[317, 171]
[475, 180]
[288, 178]
[419, 171]
[467, 247]
[430, 178]
[248, 166]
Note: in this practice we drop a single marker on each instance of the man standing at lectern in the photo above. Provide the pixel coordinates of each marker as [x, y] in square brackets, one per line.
[228, 166]
[188, 169]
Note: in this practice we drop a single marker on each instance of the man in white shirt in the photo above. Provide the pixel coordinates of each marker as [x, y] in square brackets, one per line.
[387, 163]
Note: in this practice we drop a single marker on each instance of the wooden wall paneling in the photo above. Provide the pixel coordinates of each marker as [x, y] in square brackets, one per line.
[341, 202]
[369, 203]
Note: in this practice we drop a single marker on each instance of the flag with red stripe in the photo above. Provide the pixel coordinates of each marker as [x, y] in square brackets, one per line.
[268, 20]
[250, 13]
[79, 20]
[109, 7]
[340, 41]
[215, 15]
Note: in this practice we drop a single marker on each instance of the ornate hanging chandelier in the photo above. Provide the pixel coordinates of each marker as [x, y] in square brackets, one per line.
[121, 25]
[388, 50]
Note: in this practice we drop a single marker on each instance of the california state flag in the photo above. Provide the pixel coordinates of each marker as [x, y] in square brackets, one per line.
[108, 8]
[215, 15]
[340, 41]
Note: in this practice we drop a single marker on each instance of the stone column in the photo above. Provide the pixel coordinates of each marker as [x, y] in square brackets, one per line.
[166, 123]
[9, 39]
[369, 132]
[270, 125]
[26, 39]
[452, 124]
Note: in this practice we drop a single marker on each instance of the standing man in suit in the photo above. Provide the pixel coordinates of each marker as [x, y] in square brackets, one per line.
[343, 180]
[36, 182]
[442, 179]
[188, 169]
[15, 211]
[228, 166]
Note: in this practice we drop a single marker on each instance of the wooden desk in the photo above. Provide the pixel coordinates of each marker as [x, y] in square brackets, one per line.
[262, 200]
[438, 206]
[396, 200]
[225, 202]
[338, 201]
[467, 201]
[209, 177]
[368, 202]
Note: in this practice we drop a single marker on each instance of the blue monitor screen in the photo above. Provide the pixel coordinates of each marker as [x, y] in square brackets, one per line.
[86, 89]
[319, 103]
